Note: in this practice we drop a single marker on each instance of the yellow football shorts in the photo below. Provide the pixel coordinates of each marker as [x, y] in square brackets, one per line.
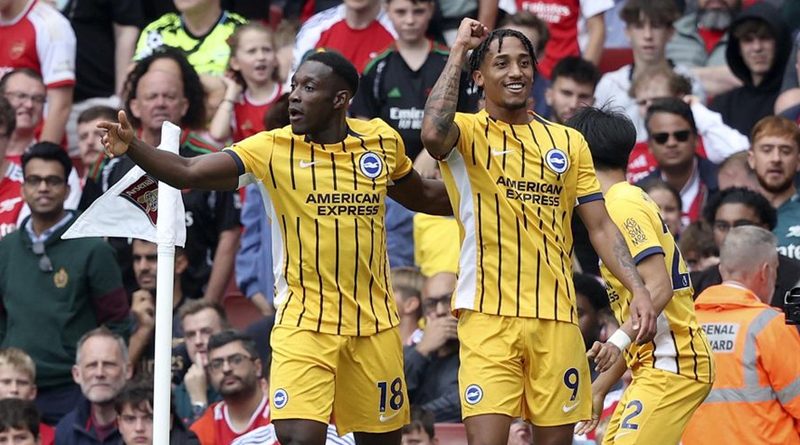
[523, 367]
[655, 408]
[358, 379]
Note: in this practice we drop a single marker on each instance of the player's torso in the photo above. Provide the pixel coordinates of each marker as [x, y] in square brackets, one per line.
[514, 188]
[330, 248]
[680, 346]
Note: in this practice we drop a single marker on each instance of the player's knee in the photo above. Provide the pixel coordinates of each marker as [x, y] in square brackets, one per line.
[300, 432]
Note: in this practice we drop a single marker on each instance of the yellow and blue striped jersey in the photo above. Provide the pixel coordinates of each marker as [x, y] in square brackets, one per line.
[680, 345]
[326, 205]
[513, 189]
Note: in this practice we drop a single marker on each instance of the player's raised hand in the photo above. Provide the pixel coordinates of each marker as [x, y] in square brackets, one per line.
[470, 33]
[604, 355]
[118, 135]
[587, 426]
[643, 316]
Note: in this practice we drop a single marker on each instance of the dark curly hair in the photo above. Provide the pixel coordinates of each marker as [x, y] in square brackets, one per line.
[479, 53]
[195, 117]
[746, 197]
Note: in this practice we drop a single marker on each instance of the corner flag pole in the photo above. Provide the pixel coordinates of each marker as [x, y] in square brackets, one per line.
[165, 226]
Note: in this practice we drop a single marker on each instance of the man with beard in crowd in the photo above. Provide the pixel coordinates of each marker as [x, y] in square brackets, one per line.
[700, 41]
[235, 371]
[101, 369]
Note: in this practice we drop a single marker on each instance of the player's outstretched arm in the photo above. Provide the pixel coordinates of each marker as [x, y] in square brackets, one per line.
[612, 249]
[421, 195]
[216, 171]
[439, 133]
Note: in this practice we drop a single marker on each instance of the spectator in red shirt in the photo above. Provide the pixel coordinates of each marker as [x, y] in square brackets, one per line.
[40, 38]
[26, 92]
[10, 190]
[359, 29]
[563, 18]
[235, 370]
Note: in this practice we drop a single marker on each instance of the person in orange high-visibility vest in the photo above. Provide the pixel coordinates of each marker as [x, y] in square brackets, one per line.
[756, 396]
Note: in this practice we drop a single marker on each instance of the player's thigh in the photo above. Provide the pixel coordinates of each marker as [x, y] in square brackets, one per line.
[557, 379]
[302, 373]
[655, 409]
[488, 429]
[371, 392]
[490, 373]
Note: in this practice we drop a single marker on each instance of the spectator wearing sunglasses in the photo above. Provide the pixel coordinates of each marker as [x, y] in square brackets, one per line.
[52, 290]
[672, 139]
[735, 207]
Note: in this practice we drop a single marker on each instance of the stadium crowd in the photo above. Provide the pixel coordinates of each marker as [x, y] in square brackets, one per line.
[712, 88]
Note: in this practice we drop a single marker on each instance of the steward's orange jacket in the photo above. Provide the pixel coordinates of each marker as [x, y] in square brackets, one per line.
[756, 395]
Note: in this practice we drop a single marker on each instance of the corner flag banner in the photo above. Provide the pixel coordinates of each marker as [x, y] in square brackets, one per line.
[129, 209]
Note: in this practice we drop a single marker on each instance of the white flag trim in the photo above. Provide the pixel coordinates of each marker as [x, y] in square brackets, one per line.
[129, 209]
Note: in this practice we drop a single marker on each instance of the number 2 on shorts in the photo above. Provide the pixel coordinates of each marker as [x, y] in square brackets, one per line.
[626, 422]
[395, 399]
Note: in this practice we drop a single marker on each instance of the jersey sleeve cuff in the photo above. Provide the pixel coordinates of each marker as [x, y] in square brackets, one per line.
[239, 164]
[589, 198]
[646, 253]
[60, 83]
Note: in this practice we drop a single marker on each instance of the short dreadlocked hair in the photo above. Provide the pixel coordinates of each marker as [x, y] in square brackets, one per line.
[479, 53]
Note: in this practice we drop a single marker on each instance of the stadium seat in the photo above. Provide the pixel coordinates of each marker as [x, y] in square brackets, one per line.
[614, 58]
[241, 311]
[451, 433]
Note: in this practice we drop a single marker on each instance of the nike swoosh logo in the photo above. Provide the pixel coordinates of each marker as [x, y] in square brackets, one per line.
[500, 153]
[567, 408]
[306, 164]
[384, 418]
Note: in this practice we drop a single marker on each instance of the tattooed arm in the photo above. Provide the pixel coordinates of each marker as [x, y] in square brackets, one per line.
[612, 249]
[439, 133]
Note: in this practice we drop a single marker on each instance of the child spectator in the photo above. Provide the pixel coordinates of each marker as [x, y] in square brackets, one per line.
[134, 407]
[19, 422]
[406, 286]
[254, 88]
[697, 246]
[421, 429]
[18, 381]
[91, 151]
[669, 203]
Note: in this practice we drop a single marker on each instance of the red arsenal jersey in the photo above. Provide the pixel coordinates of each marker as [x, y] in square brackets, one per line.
[359, 46]
[10, 199]
[41, 39]
[248, 115]
[214, 427]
